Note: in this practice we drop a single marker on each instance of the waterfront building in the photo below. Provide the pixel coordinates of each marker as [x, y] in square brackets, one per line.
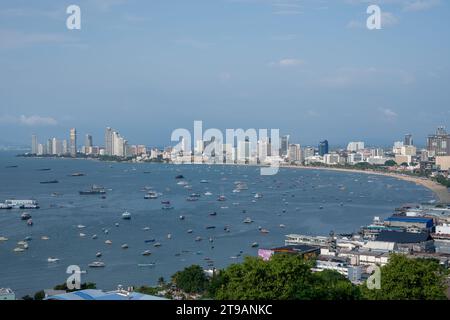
[7, 294]
[438, 144]
[284, 146]
[40, 149]
[34, 144]
[308, 152]
[87, 144]
[355, 146]
[323, 148]
[65, 148]
[109, 141]
[331, 159]
[305, 251]
[94, 294]
[73, 142]
[443, 162]
[408, 150]
[397, 148]
[48, 148]
[295, 153]
[354, 158]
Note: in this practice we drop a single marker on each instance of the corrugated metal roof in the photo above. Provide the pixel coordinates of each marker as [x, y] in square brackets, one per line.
[403, 237]
[92, 294]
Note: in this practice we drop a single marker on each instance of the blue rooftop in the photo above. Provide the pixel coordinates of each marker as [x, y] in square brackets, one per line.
[427, 221]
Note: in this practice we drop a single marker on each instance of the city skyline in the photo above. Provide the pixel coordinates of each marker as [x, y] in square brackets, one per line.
[306, 67]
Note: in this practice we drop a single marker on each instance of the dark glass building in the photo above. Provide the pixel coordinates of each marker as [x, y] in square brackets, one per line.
[323, 147]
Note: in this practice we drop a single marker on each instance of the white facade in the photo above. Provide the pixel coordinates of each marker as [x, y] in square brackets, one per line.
[355, 146]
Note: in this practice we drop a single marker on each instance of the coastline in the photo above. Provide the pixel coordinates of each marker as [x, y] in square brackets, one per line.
[439, 190]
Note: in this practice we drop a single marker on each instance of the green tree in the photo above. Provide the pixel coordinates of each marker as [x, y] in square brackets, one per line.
[40, 295]
[331, 285]
[405, 278]
[390, 163]
[83, 286]
[191, 280]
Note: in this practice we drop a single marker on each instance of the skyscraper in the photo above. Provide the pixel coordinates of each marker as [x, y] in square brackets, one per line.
[438, 144]
[73, 142]
[295, 153]
[87, 144]
[323, 147]
[34, 144]
[108, 141]
[284, 148]
[408, 140]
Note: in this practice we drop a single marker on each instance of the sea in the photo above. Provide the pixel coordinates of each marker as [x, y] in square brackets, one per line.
[294, 201]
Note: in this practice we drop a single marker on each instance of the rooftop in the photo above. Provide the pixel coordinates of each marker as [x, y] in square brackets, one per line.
[91, 294]
[403, 237]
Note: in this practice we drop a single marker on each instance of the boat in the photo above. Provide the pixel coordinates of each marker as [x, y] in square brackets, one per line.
[77, 174]
[210, 227]
[198, 239]
[221, 198]
[151, 195]
[190, 231]
[157, 244]
[146, 228]
[98, 254]
[124, 246]
[182, 183]
[5, 206]
[45, 238]
[96, 264]
[28, 238]
[165, 202]
[126, 215]
[166, 207]
[181, 217]
[44, 169]
[25, 216]
[108, 242]
[49, 182]
[248, 220]
[258, 196]
[80, 226]
[82, 235]
[30, 222]
[180, 176]
[169, 236]
[264, 231]
[149, 240]
[254, 245]
[142, 265]
[213, 213]
[52, 259]
[95, 190]
[146, 253]
[282, 226]
[207, 193]
[204, 181]
[19, 249]
[191, 199]
[195, 195]
[116, 224]
[94, 236]
[3, 239]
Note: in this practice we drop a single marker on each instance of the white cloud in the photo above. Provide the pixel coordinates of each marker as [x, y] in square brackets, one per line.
[288, 62]
[33, 120]
[388, 114]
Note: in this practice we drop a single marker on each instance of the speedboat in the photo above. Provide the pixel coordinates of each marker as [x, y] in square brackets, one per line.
[221, 198]
[80, 226]
[264, 231]
[146, 253]
[94, 236]
[248, 220]
[213, 213]
[190, 231]
[146, 265]
[207, 193]
[258, 196]
[191, 199]
[96, 264]
[30, 222]
[18, 249]
[169, 236]
[124, 246]
[25, 216]
[255, 244]
[156, 245]
[204, 181]
[151, 195]
[181, 217]
[108, 242]
[126, 215]
[52, 259]
[146, 228]
[98, 254]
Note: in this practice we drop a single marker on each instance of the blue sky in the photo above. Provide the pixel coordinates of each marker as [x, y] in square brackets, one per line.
[307, 67]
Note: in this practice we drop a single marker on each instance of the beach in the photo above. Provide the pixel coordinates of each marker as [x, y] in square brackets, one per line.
[441, 191]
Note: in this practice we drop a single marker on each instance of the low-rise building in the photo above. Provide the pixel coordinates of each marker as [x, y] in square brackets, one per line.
[7, 294]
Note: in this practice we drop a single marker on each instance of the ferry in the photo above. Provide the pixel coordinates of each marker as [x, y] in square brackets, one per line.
[93, 191]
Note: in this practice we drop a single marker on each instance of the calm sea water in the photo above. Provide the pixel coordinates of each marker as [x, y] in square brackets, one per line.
[293, 198]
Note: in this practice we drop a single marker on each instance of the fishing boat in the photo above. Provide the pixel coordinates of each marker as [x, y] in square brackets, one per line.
[96, 264]
[146, 253]
[52, 260]
[126, 215]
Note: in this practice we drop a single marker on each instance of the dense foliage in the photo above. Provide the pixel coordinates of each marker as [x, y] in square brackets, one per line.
[191, 280]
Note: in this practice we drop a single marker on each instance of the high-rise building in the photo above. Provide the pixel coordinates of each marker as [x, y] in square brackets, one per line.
[87, 144]
[284, 146]
[108, 141]
[295, 153]
[65, 148]
[49, 149]
[308, 152]
[408, 140]
[73, 142]
[34, 144]
[323, 148]
[355, 146]
[438, 144]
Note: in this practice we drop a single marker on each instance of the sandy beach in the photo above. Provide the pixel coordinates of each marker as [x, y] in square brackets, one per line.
[441, 191]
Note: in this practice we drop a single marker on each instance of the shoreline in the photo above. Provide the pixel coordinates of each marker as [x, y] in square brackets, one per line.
[439, 190]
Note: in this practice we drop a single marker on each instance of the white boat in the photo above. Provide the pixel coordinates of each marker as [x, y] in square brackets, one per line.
[255, 244]
[126, 215]
[52, 260]
[169, 236]
[146, 253]
[82, 235]
[124, 246]
[207, 193]
[151, 195]
[80, 226]
[98, 254]
[96, 264]
[108, 242]
[204, 181]
[3, 239]
[94, 236]
[282, 226]
[258, 196]
[157, 244]
[190, 231]
[198, 239]
[146, 265]
[248, 220]
[45, 238]
[18, 249]
[146, 228]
